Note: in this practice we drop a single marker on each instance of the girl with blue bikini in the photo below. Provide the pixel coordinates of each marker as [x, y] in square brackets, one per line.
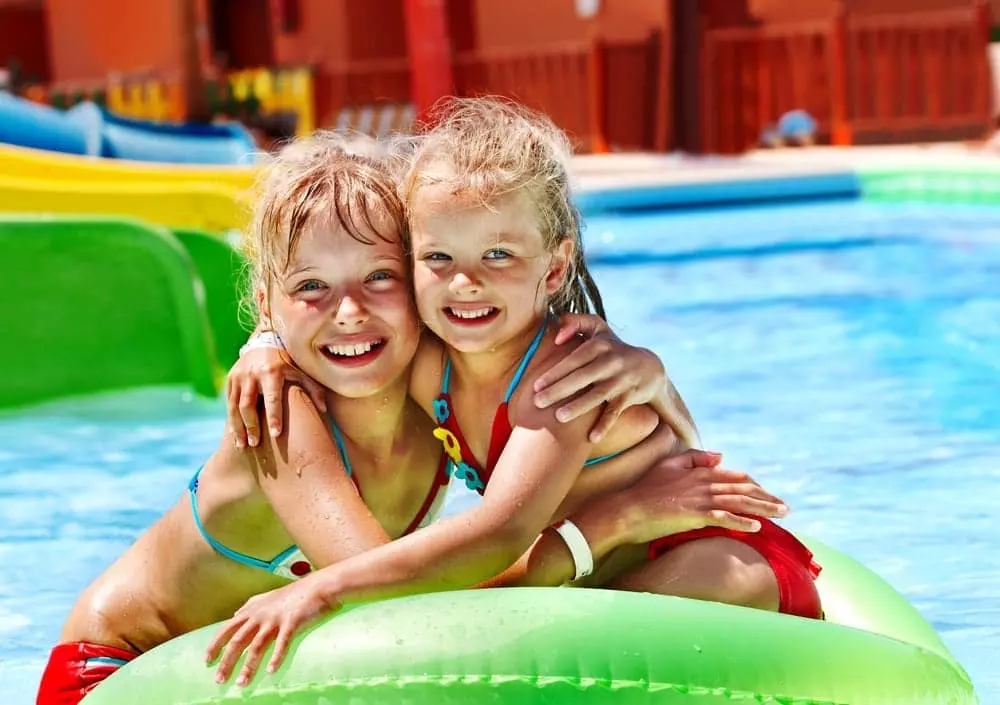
[328, 247]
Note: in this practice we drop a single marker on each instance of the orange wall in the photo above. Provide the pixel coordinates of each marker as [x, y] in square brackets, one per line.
[22, 37]
[502, 24]
[722, 13]
[90, 38]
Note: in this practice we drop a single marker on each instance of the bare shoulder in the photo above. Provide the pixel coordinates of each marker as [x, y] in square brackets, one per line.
[426, 371]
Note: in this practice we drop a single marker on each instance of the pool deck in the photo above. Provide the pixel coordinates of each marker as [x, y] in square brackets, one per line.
[641, 170]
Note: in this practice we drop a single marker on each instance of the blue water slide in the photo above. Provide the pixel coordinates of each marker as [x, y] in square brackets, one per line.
[227, 143]
[27, 124]
[87, 129]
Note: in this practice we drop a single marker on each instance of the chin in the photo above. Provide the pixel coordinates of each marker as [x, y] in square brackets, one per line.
[359, 388]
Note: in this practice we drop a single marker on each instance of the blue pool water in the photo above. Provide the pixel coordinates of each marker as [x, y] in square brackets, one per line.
[847, 354]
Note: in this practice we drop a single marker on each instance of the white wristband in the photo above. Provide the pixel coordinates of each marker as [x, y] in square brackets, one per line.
[266, 339]
[578, 547]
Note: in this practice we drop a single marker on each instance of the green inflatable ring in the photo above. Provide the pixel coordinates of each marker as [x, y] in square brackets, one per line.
[564, 645]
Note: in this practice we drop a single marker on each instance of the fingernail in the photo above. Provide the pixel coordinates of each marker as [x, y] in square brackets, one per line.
[274, 431]
[541, 402]
[242, 680]
[783, 510]
[239, 443]
[253, 440]
[595, 437]
[755, 526]
[219, 679]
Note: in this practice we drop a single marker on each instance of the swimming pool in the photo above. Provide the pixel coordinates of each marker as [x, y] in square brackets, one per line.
[844, 353]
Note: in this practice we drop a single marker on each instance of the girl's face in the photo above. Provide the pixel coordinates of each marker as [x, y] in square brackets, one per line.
[482, 274]
[344, 311]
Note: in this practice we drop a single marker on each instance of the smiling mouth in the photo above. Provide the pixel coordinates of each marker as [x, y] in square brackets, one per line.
[471, 316]
[353, 354]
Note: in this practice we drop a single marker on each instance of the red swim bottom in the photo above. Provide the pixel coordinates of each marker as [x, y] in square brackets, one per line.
[791, 561]
[75, 669]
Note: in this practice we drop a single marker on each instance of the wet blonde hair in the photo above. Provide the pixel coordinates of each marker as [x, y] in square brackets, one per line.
[488, 148]
[345, 177]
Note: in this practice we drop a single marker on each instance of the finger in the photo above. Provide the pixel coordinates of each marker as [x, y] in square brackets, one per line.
[255, 654]
[587, 402]
[224, 635]
[612, 412]
[695, 458]
[732, 477]
[752, 489]
[579, 358]
[233, 418]
[316, 391]
[232, 651]
[570, 326]
[248, 411]
[741, 504]
[729, 520]
[281, 645]
[272, 387]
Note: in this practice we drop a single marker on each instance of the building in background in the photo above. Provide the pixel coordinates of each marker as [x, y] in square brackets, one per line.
[697, 75]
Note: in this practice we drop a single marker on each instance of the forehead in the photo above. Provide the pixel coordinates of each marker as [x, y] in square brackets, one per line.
[437, 206]
[326, 237]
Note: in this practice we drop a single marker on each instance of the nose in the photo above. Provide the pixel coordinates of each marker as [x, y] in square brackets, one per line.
[350, 312]
[465, 283]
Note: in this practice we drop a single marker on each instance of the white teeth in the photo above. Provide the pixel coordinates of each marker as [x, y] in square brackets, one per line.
[475, 313]
[351, 350]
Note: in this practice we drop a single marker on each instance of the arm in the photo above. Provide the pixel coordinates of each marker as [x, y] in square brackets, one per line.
[538, 467]
[304, 479]
[680, 493]
[608, 370]
[540, 463]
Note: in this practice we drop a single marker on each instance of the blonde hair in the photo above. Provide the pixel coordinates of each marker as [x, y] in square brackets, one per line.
[344, 176]
[490, 147]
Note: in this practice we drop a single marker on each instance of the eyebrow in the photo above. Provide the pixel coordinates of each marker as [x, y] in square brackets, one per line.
[299, 270]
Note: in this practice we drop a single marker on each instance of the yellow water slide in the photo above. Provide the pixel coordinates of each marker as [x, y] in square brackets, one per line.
[203, 206]
[202, 197]
[20, 162]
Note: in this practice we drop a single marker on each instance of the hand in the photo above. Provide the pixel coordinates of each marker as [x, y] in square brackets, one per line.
[271, 616]
[263, 370]
[604, 369]
[690, 491]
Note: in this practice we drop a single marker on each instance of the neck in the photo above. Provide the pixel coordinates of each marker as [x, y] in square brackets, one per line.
[488, 368]
[371, 424]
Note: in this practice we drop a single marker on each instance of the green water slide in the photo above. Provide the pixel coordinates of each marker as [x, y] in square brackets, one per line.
[98, 303]
[223, 272]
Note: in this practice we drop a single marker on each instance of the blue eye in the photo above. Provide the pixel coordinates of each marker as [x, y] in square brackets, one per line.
[379, 276]
[437, 257]
[311, 285]
[496, 254]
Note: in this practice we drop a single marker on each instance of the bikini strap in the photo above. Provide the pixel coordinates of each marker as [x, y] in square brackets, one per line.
[339, 439]
[518, 374]
[526, 360]
[215, 544]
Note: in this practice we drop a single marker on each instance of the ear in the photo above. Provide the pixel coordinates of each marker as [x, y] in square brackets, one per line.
[263, 308]
[559, 266]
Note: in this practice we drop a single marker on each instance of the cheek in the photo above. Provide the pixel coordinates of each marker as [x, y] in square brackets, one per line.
[424, 283]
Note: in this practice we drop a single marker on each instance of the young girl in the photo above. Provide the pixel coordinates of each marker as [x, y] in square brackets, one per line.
[496, 256]
[327, 247]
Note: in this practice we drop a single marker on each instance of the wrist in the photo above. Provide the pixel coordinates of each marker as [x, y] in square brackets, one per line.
[608, 523]
[262, 339]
